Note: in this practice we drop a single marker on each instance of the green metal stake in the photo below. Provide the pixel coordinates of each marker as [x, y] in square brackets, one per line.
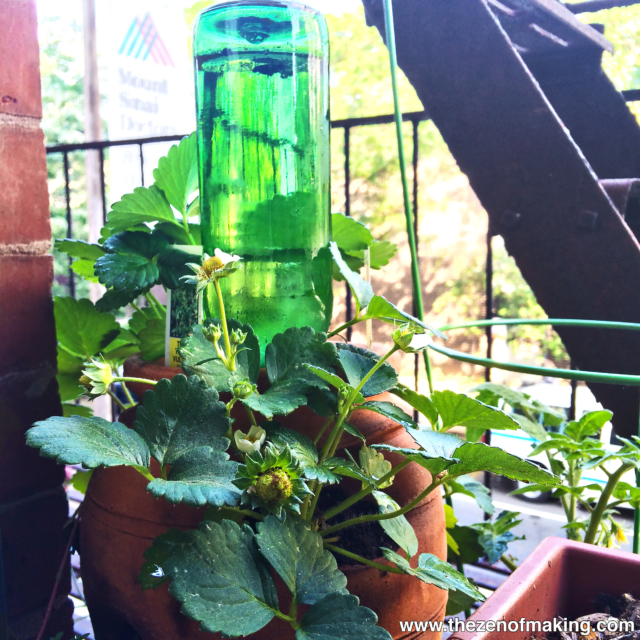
[636, 510]
[408, 213]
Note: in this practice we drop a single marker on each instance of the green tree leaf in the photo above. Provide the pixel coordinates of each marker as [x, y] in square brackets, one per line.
[458, 410]
[474, 489]
[180, 414]
[222, 581]
[143, 205]
[356, 364]
[495, 536]
[589, 425]
[202, 476]
[392, 411]
[340, 617]
[398, 529]
[349, 234]
[91, 442]
[79, 249]
[419, 402]
[177, 173]
[434, 571]
[469, 549]
[296, 552]
[361, 289]
[200, 357]
[152, 574]
[82, 329]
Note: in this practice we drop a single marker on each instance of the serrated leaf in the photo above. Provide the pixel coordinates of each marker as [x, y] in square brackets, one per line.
[202, 476]
[350, 469]
[69, 410]
[434, 571]
[178, 415]
[458, 410]
[143, 205]
[114, 299]
[373, 463]
[79, 249]
[278, 400]
[361, 289]
[222, 581]
[68, 376]
[152, 574]
[334, 381]
[381, 253]
[433, 464]
[457, 602]
[351, 430]
[85, 269]
[356, 364]
[420, 403]
[323, 473]
[589, 425]
[82, 329]
[392, 411]
[199, 357]
[398, 529]
[303, 447]
[340, 617]
[495, 536]
[177, 173]
[92, 442]
[349, 234]
[381, 309]
[152, 339]
[469, 549]
[474, 489]
[296, 552]
[531, 428]
[289, 352]
[80, 480]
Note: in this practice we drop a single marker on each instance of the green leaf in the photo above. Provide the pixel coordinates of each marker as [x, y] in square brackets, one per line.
[381, 309]
[381, 253]
[398, 529]
[79, 249]
[178, 415]
[177, 173]
[200, 357]
[334, 381]
[301, 445]
[152, 339]
[68, 376]
[495, 536]
[340, 617]
[116, 299]
[433, 464]
[373, 463]
[531, 428]
[357, 363]
[351, 430]
[143, 205]
[469, 549]
[456, 409]
[91, 442]
[69, 410]
[361, 289]
[589, 425]
[474, 489]
[419, 402]
[349, 234]
[457, 602]
[221, 579]
[81, 328]
[392, 411]
[278, 400]
[434, 571]
[350, 469]
[202, 476]
[80, 480]
[152, 574]
[289, 352]
[296, 552]
[85, 269]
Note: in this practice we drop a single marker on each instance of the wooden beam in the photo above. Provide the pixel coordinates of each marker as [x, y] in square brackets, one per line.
[598, 5]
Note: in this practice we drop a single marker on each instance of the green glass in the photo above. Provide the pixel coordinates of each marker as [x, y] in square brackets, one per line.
[263, 149]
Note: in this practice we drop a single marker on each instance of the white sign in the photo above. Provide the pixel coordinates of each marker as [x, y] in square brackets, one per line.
[143, 48]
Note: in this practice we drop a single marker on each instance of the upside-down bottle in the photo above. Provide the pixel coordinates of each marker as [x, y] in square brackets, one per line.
[263, 149]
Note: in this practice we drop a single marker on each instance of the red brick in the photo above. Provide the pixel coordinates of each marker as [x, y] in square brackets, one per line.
[27, 329]
[24, 196]
[19, 59]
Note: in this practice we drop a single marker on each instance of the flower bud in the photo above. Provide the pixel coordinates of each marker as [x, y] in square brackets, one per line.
[243, 390]
[238, 337]
[212, 333]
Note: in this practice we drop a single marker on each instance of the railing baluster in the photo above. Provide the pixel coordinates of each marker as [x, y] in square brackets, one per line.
[141, 164]
[102, 187]
[414, 162]
[347, 211]
[67, 193]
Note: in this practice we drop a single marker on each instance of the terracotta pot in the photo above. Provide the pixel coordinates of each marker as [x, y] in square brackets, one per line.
[561, 577]
[120, 520]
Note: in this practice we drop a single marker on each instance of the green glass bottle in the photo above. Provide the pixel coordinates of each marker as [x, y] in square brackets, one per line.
[263, 149]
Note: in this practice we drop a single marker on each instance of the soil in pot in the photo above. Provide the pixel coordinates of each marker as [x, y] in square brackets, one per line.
[120, 521]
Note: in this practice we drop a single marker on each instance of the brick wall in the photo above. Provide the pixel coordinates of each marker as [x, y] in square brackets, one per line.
[33, 506]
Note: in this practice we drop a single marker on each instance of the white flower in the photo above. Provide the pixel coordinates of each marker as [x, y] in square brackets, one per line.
[221, 265]
[250, 442]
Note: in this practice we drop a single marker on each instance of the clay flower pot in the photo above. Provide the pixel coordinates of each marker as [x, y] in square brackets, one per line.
[560, 578]
[120, 520]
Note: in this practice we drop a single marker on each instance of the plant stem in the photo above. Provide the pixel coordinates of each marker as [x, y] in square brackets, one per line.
[356, 497]
[185, 224]
[252, 418]
[342, 327]
[415, 272]
[117, 400]
[127, 393]
[231, 364]
[58, 579]
[145, 472]
[507, 562]
[150, 299]
[357, 558]
[383, 516]
[230, 406]
[596, 516]
[140, 380]
[157, 302]
[163, 472]
[137, 308]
